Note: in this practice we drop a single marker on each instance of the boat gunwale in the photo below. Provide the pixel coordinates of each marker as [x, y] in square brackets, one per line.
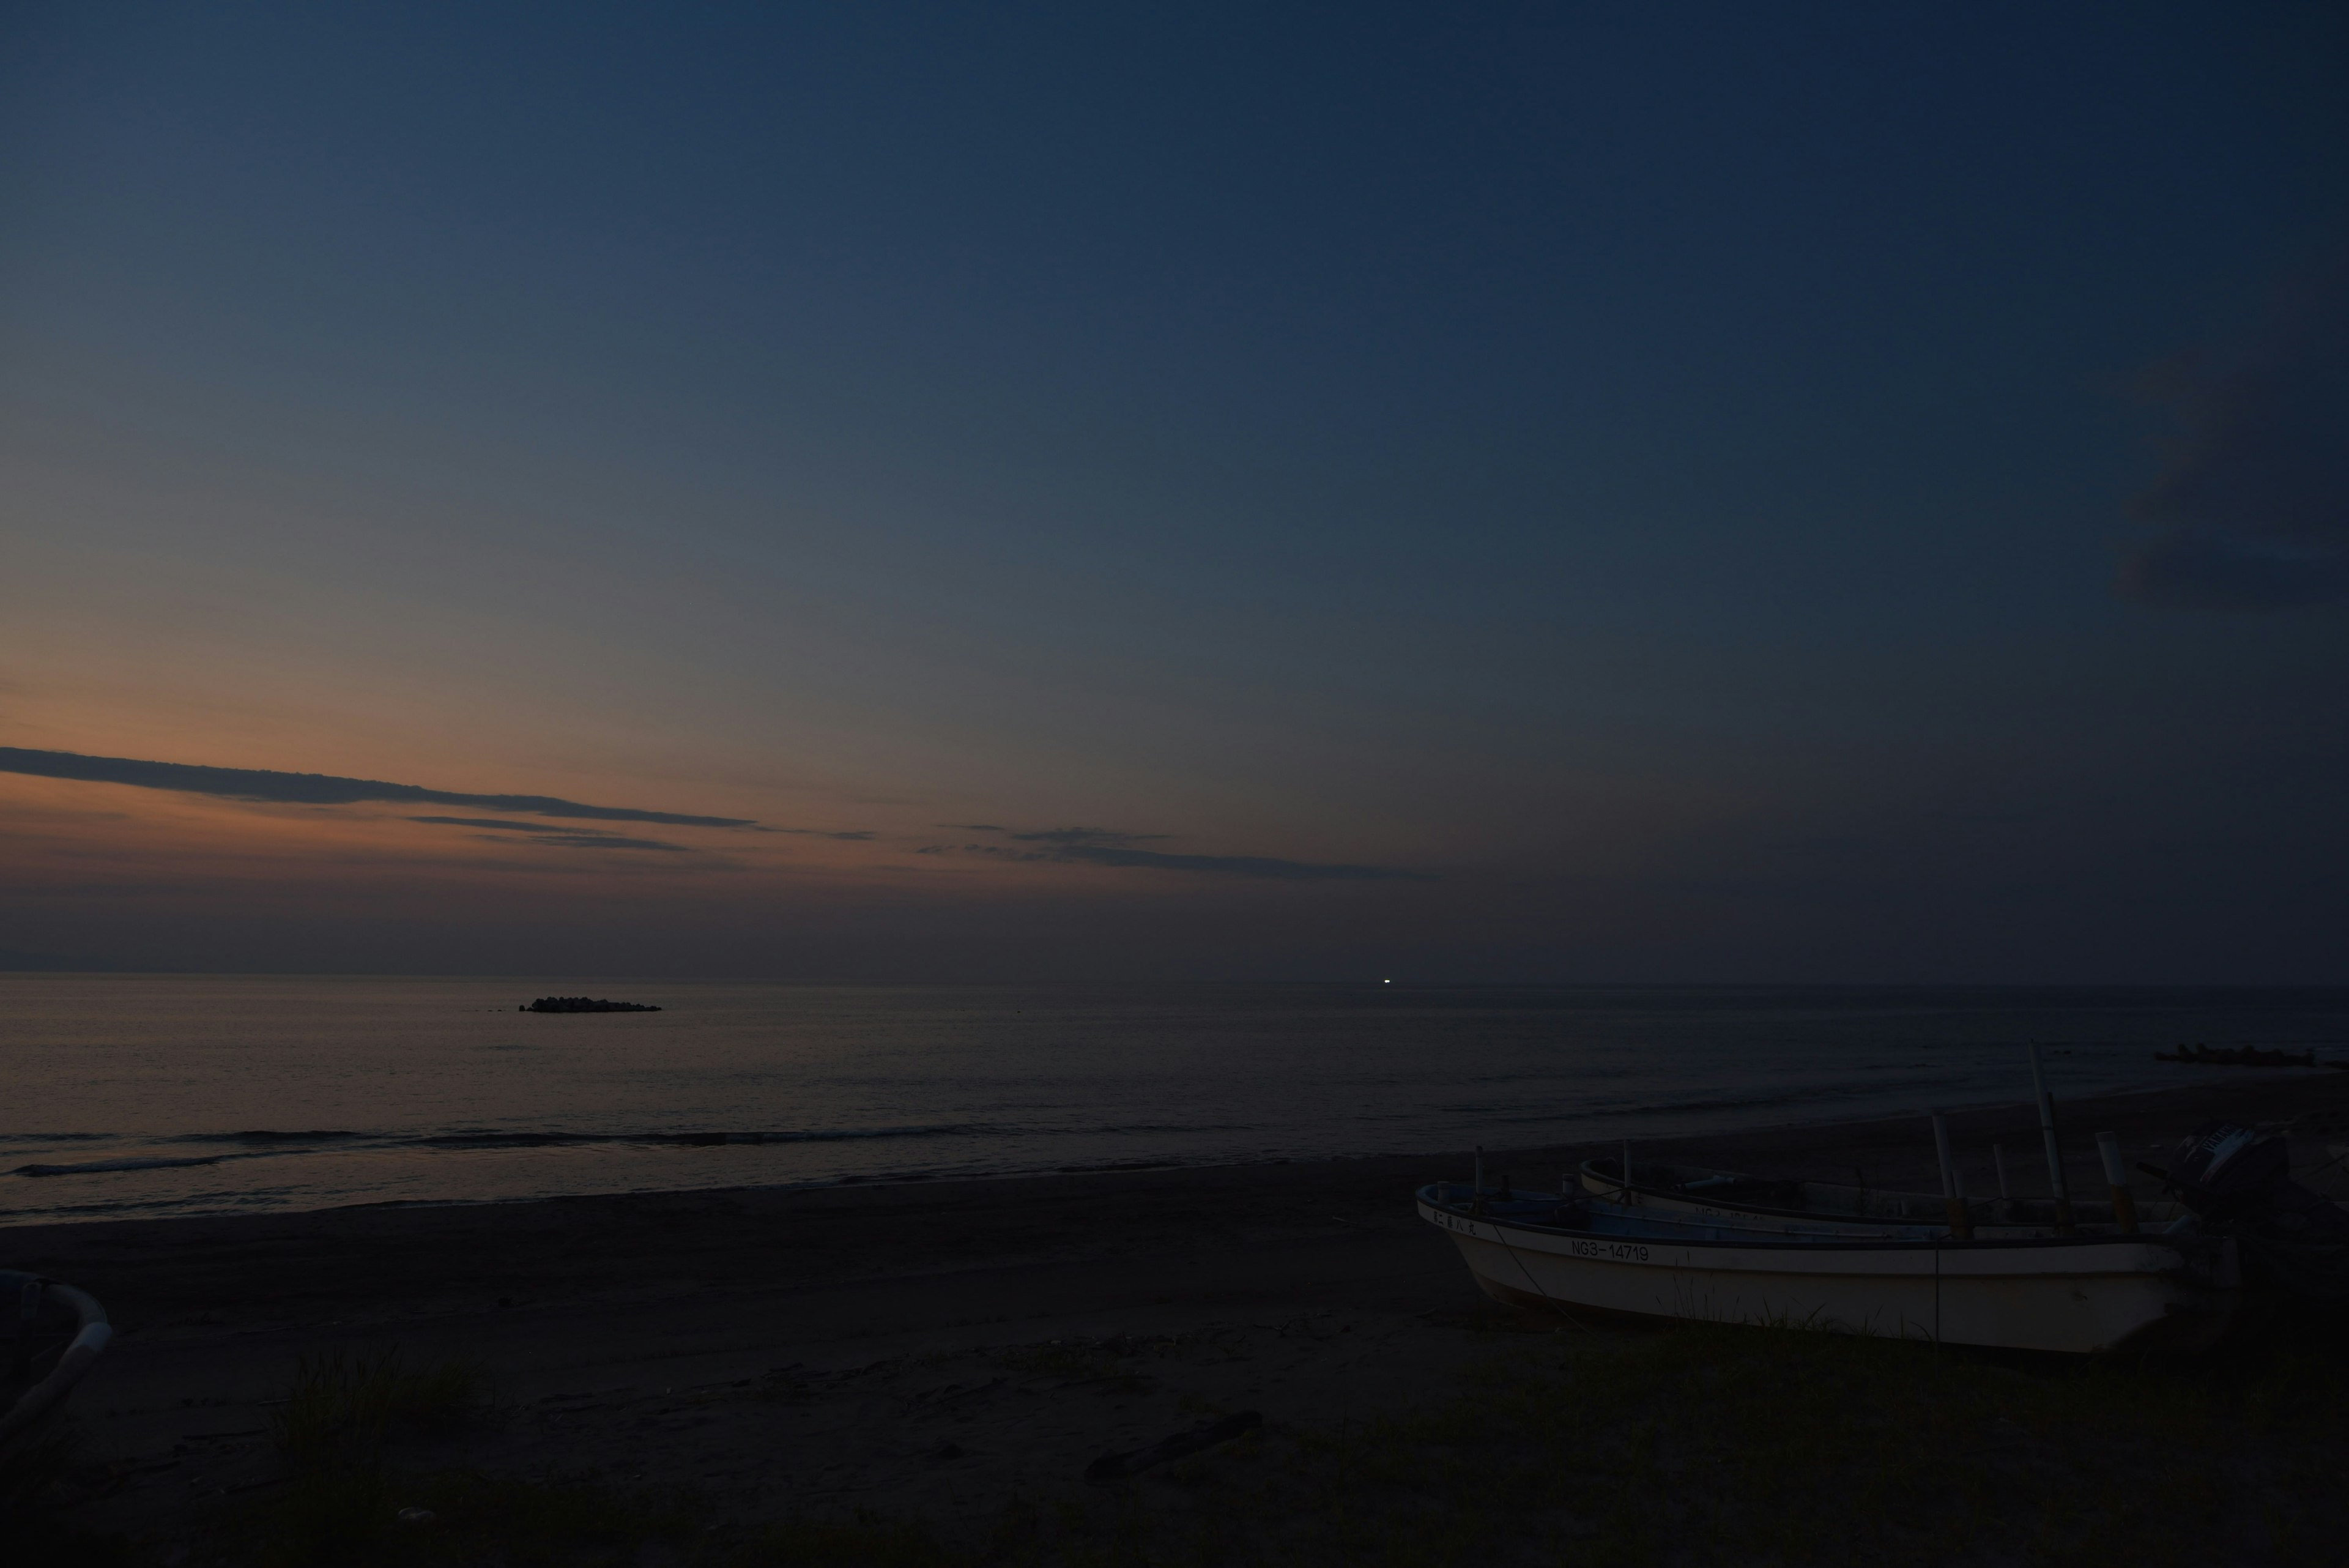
[1978, 1210]
[1763, 1241]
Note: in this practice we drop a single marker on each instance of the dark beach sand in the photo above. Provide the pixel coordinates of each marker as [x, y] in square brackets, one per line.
[923, 1350]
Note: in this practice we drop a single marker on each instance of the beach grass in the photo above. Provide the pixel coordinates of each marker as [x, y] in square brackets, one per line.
[1718, 1445]
[1693, 1445]
[331, 1434]
[341, 1409]
[1073, 1364]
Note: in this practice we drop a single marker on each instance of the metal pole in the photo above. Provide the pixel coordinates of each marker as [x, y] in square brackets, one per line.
[1953, 1186]
[2117, 1178]
[1627, 1173]
[1998, 1158]
[1480, 1170]
[2063, 1225]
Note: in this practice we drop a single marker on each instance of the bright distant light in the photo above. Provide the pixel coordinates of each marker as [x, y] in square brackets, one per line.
[1386, 983]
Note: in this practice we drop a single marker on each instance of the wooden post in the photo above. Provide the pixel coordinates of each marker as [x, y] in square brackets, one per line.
[1953, 1184]
[2062, 1193]
[2117, 1178]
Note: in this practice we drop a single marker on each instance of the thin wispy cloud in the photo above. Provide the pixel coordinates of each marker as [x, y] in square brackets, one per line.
[553, 837]
[602, 841]
[322, 789]
[1256, 866]
[2254, 499]
[1085, 837]
[1109, 846]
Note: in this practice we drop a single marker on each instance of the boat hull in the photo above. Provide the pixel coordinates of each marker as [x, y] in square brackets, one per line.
[2079, 1297]
[75, 1330]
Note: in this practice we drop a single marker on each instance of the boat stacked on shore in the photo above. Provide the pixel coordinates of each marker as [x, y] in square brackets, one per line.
[1679, 1242]
[2078, 1294]
[2031, 1273]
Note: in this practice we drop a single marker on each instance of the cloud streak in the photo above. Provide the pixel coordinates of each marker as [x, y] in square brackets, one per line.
[1265, 868]
[604, 841]
[1107, 847]
[1085, 837]
[555, 837]
[2254, 500]
[320, 789]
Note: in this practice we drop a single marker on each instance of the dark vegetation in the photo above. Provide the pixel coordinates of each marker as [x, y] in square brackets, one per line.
[1689, 1445]
[2241, 1056]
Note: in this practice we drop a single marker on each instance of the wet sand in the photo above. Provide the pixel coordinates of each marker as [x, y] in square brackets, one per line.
[926, 1349]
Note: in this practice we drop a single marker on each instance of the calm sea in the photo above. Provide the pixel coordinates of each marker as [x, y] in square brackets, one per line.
[130, 1096]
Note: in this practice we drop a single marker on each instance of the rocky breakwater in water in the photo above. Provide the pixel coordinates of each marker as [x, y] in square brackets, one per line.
[585, 1004]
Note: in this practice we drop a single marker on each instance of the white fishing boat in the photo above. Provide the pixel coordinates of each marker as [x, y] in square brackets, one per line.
[2173, 1291]
[50, 1333]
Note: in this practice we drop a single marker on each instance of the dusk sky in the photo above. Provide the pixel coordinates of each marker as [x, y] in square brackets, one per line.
[1482, 492]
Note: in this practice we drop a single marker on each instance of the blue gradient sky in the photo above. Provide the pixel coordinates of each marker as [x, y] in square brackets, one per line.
[1682, 488]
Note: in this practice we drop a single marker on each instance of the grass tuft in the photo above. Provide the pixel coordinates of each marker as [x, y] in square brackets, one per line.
[340, 1502]
[1075, 1362]
[340, 1409]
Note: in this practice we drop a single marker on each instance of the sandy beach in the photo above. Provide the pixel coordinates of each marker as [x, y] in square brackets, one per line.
[922, 1350]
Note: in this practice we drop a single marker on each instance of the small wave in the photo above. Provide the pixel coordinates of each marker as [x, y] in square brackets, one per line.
[125, 1208]
[830, 1135]
[91, 1167]
[505, 1139]
[1831, 1095]
[693, 1139]
[254, 1142]
[266, 1135]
